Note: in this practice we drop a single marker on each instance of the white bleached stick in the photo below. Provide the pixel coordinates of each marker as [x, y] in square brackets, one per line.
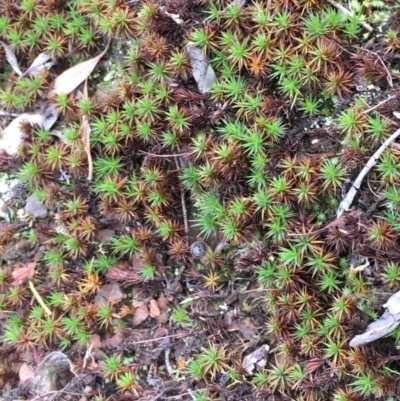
[367, 26]
[348, 200]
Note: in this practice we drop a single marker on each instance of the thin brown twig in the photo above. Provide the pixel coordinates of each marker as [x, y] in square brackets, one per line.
[183, 202]
[373, 192]
[155, 155]
[379, 104]
[168, 337]
[54, 393]
[348, 199]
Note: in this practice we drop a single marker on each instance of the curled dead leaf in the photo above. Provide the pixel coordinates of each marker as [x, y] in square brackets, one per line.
[21, 274]
[154, 309]
[163, 318]
[26, 372]
[38, 65]
[162, 302]
[11, 58]
[109, 293]
[140, 315]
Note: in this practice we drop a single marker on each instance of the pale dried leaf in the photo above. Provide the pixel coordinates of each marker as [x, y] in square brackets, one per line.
[154, 309]
[209, 79]
[12, 135]
[70, 79]
[25, 372]
[49, 116]
[202, 71]
[386, 324]
[256, 359]
[86, 136]
[38, 64]
[21, 274]
[11, 58]
[54, 372]
[396, 114]
[393, 303]
[140, 315]
[175, 17]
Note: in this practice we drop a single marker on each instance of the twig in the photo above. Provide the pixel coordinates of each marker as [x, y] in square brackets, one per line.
[168, 364]
[348, 200]
[88, 355]
[380, 104]
[338, 221]
[189, 392]
[150, 380]
[183, 202]
[39, 298]
[55, 392]
[373, 192]
[155, 155]
[167, 337]
[335, 4]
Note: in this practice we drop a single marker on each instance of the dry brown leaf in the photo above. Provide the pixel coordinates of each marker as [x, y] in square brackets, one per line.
[140, 315]
[21, 274]
[247, 328]
[163, 318]
[106, 235]
[162, 302]
[86, 135]
[109, 293]
[11, 58]
[136, 303]
[70, 79]
[154, 309]
[96, 341]
[113, 341]
[137, 264]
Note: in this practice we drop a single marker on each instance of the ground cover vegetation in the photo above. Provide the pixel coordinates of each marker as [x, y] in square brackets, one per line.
[208, 212]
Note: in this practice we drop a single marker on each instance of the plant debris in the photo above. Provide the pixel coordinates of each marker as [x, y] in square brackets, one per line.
[201, 200]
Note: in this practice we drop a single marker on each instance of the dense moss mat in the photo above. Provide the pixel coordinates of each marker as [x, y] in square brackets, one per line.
[251, 173]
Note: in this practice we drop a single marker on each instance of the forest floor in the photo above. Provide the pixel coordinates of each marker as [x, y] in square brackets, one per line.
[179, 220]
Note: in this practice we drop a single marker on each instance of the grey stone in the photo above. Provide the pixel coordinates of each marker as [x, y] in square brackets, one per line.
[35, 208]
